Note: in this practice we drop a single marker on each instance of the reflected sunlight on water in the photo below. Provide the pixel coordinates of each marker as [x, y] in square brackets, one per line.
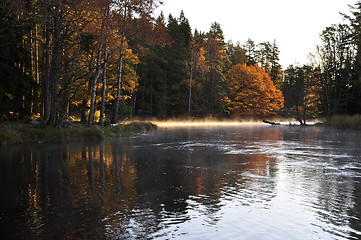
[170, 124]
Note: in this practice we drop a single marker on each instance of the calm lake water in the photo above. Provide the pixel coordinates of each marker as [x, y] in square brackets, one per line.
[235, 182]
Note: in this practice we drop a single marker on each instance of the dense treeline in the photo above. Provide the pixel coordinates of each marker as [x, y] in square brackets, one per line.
[331, 84]
[190, 75]
[59, 56]
[106, 60]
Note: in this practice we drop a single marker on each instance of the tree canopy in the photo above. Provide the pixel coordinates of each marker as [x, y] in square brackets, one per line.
[252, 92]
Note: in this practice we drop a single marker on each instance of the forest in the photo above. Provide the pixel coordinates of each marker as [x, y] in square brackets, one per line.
[102, 61]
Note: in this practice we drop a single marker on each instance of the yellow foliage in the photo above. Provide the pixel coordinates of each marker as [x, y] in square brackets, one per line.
[252, 92]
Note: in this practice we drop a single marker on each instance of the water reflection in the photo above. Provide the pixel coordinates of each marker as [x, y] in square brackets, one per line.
[244, 182]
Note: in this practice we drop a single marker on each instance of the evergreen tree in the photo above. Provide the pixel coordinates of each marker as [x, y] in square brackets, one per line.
[264, 55]
[152, 69]
[276, 69]
[216, 57]
[236, 54]
[251, 52]
[178, 54]
[198, 71]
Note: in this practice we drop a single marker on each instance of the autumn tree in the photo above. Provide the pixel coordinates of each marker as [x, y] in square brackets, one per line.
[252, 92]
[99, 30]
[125, 12]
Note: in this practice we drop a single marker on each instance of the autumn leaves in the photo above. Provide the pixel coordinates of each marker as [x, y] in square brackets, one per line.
[252, 92]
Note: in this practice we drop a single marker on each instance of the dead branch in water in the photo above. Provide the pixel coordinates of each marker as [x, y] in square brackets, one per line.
[272, 123]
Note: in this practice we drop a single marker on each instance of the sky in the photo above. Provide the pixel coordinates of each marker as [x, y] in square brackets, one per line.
[295, 25]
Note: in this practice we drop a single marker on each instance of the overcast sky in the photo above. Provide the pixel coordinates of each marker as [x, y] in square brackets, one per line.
[294, 24]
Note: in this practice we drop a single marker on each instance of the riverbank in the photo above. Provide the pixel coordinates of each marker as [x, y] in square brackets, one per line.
[17, 133]
[344, 122]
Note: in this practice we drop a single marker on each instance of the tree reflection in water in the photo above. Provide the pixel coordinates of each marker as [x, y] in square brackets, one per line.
[186, 183]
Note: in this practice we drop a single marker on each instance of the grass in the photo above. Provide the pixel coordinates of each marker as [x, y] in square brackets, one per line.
[127, 129]
[17, 133]
[344, 122]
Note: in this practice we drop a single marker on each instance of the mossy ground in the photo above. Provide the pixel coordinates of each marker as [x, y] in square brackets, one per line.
[16, 133]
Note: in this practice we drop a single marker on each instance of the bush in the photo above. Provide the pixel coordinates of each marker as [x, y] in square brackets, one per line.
[9, 137]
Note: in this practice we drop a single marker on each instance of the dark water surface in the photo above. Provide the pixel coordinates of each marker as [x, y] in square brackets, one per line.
[240, 182]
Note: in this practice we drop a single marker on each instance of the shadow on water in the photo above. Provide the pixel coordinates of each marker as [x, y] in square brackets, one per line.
[245, 182]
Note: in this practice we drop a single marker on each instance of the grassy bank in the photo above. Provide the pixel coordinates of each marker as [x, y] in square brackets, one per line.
[344, 122]
[16, 133]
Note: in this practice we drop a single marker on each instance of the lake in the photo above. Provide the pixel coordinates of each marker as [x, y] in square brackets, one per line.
[187, 182]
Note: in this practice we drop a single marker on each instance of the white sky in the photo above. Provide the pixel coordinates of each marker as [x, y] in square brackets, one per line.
[294, 24]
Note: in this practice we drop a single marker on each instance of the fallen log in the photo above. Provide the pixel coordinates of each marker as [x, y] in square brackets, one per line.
[272, 123]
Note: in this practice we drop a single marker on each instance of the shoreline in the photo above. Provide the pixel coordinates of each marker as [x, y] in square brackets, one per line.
[17, 132]
[26, 133]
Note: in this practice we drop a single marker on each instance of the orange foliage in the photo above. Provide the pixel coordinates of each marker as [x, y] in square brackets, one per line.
[252, 92]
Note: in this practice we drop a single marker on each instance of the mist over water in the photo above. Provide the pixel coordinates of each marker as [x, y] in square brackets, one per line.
[189, 182]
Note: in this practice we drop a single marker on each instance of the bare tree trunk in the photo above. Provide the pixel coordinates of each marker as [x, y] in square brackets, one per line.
[134, 99]
[83, 110]
[105, 59]
[104, 88]
[151, 95]
[298, 116]
[93, 87]
[102, 45]
[37, 71]
[54, 83]
[304, 114]
[46, 84]
[119, 88]
[55, 68]
[190, 91]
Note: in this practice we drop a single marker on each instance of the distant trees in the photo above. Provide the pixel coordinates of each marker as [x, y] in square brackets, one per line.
[331, 84]
[333, 77]
[336, 59]
[163, 70]
[302, 92]
[189, 76]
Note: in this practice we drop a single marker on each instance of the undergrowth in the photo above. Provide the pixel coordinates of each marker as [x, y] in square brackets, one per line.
[344, 122]
[15, 133]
